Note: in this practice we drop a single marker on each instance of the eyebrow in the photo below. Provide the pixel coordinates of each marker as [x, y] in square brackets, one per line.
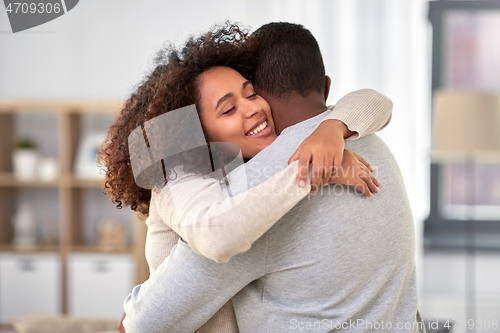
[246, 83]
[226, 96]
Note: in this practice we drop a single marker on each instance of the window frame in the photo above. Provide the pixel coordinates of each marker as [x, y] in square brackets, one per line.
[440, 232]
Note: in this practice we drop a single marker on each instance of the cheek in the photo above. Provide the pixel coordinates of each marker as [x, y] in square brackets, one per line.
[224, 130]
[267, 109]
[210, 127]
[234, 130]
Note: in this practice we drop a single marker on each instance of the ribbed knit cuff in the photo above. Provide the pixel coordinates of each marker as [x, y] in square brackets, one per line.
[363, 111]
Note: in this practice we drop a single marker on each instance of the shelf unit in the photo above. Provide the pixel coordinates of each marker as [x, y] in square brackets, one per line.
[69, 187]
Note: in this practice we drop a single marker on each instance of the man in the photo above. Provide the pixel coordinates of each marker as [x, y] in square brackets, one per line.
[336, 261]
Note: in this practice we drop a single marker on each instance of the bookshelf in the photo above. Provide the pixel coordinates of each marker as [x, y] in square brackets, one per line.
[69, 191]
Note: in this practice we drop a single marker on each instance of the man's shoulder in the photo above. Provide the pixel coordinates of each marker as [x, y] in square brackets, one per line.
[370, 147]
[274, 157]
[288, 141]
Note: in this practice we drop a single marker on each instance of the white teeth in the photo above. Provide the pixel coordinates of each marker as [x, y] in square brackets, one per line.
[258, 129]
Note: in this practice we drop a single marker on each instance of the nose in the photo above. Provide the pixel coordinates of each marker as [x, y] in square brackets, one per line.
[251, 108]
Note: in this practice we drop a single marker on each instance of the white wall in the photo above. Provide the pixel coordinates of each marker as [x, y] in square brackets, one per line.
[99, 49]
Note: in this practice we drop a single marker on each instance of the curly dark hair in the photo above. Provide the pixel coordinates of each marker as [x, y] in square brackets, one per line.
[171, 85]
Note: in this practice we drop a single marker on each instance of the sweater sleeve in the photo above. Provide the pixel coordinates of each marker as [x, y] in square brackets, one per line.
[188, 289]
[219, 226]
[160, 238]
[364, 111]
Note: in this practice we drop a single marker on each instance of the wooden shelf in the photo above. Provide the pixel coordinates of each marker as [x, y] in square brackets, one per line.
[6, 328]
[92, 107]
[86, 183]
[72, 190]
[30, 250]
[67, 249]
[98, 249]
[9, 180]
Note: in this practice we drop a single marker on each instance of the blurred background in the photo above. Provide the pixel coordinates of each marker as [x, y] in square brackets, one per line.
[61, 82]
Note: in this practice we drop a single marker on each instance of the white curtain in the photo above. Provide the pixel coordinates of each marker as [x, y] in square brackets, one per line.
[379, 44]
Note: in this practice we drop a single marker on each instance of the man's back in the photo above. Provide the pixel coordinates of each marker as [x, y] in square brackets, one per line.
[335, 261]
[337, 258]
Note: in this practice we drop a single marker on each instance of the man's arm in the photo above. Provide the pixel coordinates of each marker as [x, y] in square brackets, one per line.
[187, 289]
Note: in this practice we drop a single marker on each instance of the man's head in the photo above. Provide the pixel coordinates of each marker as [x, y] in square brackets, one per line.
[288, 60]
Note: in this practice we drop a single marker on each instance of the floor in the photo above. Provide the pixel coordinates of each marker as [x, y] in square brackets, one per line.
[445, 288]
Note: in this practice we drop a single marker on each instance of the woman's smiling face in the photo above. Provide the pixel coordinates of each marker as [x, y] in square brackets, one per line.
[231, 111]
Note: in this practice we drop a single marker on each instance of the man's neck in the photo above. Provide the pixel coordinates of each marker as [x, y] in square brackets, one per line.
[295, 108]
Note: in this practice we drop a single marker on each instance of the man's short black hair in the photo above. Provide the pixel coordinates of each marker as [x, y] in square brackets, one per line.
[288, 60]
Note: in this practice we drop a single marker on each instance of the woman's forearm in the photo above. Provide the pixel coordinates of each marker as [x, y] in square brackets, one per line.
[160, 239]
[218, 226]
[364, 111]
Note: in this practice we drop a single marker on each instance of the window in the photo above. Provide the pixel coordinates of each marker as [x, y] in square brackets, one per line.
[466, 55]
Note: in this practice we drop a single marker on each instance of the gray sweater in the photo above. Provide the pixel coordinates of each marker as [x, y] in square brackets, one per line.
[336, 260]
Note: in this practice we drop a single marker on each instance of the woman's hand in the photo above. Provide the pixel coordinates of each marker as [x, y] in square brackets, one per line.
[325, 149]
[355, 171]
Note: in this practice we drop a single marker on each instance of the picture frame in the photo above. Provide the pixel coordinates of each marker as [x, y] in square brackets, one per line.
[86, 164]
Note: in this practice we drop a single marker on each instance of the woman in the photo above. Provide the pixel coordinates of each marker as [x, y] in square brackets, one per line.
[207, 73]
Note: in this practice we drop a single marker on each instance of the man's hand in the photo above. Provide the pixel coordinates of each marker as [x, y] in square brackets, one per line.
[355, 171]
[325, 149]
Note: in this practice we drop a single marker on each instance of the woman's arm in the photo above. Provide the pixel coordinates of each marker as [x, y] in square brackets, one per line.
[357, 114]
[217, 225]
[364, 112]
[208, 212]
[160, 238]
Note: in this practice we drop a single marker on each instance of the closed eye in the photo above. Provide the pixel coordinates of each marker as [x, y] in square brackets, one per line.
[252, 96]
[228, 111]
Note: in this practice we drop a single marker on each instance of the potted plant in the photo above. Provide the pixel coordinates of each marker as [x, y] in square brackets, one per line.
[25, 157]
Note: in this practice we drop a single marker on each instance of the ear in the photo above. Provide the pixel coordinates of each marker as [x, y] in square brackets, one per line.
[328, 82]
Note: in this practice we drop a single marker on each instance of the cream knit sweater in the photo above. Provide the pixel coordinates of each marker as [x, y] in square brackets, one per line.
[218, 226]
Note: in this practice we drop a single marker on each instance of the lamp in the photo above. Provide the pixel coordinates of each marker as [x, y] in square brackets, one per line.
[466, 127]
[466, 124]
